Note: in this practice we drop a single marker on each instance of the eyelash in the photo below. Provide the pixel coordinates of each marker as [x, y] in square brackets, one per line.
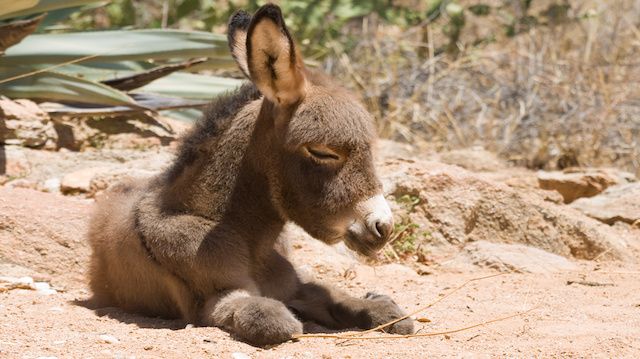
[323, 155]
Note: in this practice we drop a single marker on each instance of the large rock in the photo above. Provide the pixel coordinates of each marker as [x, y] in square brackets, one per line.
[85, 173]
[617, 204]
[44, 233]
[456, 206]
[511, 258]
[574, 183]
[13, 163]
[475, 159]
[22, 122]
[80, 181]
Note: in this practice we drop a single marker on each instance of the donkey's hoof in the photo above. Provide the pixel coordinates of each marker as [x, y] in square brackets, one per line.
[382, 309]
[263, 321]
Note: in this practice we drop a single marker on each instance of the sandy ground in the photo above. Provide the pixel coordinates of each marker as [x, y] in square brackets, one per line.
[597, 317]
[569, 321]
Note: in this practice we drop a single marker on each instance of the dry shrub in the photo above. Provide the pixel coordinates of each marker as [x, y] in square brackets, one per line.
[556, 95]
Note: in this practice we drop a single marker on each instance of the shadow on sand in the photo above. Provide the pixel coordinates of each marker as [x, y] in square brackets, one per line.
[130, 318]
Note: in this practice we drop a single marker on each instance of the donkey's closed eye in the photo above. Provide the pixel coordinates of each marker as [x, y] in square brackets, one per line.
[323, 153]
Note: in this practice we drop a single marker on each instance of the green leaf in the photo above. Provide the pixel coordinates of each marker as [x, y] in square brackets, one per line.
[146, 101]
[19, 8]
[191, 86]
[189, 115]
[53, 86]
[109, 46]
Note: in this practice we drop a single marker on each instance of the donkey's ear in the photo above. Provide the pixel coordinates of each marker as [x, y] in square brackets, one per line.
[275, 65]
[237, 39]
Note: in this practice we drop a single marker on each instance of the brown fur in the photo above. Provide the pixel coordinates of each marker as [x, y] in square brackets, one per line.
[198, 241]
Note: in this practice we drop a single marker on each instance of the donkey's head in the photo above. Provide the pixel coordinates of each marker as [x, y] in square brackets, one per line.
[313, 140]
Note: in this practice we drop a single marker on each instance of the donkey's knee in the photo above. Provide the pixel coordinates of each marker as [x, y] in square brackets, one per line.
[257, 320]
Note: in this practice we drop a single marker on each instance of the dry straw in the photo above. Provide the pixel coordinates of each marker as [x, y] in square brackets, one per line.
[362, 335]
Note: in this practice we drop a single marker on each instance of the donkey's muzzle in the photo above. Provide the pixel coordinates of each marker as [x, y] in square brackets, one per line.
[372, 226]
[383, 229]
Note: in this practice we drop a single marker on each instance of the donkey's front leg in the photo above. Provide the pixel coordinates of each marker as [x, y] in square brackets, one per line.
[257, 320]
[337, 310]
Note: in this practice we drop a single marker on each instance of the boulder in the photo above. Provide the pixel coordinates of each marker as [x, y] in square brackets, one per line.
[574, 183]
[620, 203]
[23, 123]
[103, 180]
[475, 159]
[45, 233]
[13, 163]
[511, 258]
[388, 149]
[80, 181]
[456, 206]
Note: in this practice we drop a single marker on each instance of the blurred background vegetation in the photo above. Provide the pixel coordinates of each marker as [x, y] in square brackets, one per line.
[544, 83]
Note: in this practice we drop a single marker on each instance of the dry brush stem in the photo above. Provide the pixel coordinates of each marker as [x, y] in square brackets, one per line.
[551, 97]
[359, 335]
[350, 336]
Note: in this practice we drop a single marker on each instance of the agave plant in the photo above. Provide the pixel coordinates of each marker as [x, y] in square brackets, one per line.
[104, 72]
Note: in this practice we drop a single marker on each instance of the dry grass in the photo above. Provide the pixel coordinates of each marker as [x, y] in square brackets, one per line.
[551, 97]
[363, 334]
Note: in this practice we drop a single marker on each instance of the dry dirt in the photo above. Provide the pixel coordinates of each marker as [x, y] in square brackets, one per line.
[598, 315]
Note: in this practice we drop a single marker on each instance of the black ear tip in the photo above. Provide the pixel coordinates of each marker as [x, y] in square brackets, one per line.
[271, 11]
[239, 20]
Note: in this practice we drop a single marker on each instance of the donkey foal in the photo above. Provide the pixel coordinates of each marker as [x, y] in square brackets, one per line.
[198, 241]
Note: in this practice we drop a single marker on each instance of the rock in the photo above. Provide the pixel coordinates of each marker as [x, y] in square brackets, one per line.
[238, 355]
[47, 168]
[456, 206]
[13, 163]
[387, 149]
[620, 203]
[296, 242]
[103, 180]
[8, 283]
[108, 339]
[80, 181]
[511, 258]
[574, 183]
[51, 185]
[22, 122]
[45, 233]
[43, 288]
[16, 271]
[475, 159]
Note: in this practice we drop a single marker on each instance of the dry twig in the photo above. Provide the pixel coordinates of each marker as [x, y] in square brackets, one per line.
[359, 335]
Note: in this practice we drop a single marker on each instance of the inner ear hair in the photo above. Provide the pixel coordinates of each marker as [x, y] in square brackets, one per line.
[274, 64]
[237, 39]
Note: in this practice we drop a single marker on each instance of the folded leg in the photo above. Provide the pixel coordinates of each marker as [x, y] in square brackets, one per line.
[335, 309]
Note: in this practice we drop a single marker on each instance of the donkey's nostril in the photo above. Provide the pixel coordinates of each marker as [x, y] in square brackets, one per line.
[383, 229]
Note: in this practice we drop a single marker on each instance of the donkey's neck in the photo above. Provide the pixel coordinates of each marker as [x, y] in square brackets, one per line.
[214, 177]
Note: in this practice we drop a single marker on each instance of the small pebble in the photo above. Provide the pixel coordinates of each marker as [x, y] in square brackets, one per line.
[238, 355]
[52, 185]
[109, 339]
[43, 288]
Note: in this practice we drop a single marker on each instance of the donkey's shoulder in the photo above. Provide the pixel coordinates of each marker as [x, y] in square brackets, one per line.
[218, 115]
